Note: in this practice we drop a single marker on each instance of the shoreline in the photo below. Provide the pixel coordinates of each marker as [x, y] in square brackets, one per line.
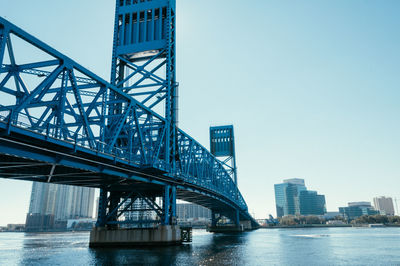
[327, 226]
[305, 226]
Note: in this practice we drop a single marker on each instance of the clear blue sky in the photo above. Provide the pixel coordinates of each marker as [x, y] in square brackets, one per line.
[312, 87]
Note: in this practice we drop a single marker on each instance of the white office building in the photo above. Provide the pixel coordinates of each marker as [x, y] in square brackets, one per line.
[190, 211]
[384, 205]
[42, 198]
[62, 201]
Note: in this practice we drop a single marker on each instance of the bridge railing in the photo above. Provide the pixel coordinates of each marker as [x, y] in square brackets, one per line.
[59, 98]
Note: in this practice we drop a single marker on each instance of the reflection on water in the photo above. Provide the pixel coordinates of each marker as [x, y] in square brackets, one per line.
[309, 246]
[210, 249]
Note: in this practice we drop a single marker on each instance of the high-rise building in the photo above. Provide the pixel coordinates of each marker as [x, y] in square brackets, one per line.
[187, 211]
[42, 198]
[357, 209]
[384, 205]
[287, 196]
[61, 202]
[293, 198]
[74, 202]
[311, 203]
[295, 181]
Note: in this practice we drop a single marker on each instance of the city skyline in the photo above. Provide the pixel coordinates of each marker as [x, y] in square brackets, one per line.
[324, 93]
[61, 202]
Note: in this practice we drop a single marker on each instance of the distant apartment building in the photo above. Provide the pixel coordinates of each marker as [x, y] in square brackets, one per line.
[357, 209]
[293, 198]
[384, 205]
[50, 203]
[74, 202]
[189, 211]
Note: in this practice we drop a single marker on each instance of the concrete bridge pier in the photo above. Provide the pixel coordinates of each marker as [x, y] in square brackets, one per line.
[246, 225]
[111, 231]
[237, 226]
[162, 235]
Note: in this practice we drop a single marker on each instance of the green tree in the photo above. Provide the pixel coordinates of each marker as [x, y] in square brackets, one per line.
[314, 220]
[394, 219]
[339, 218]
[288, 220]
[374, 219]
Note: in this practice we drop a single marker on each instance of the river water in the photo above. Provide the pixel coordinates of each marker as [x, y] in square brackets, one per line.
[310, 246]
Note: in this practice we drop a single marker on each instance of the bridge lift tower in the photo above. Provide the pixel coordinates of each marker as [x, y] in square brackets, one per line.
[143, 66]
[222, 146]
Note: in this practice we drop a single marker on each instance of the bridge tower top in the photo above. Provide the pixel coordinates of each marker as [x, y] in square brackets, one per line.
[141, 28]
[222, 144]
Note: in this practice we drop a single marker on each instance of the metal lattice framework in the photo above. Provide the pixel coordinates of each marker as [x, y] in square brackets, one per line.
[55, 106]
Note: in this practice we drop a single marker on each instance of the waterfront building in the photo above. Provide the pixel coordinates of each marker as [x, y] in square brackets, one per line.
[15, 227]
[286, 196]
[293, 198]
[51, 202]
[384, 205]
[39, 222]
[79, 224]
[357, 209]
[74, 202]
[190, 211]
[42, 198]
[311, 203]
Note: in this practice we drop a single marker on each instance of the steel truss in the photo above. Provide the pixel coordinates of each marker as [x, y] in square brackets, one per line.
[56, 100]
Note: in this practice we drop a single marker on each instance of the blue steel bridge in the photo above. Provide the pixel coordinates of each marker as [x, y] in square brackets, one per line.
[62, 124]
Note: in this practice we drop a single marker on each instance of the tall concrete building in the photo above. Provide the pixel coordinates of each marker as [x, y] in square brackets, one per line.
[42, 198]
[74, 202]
[188, 211]
[384, 205]
[51, 202]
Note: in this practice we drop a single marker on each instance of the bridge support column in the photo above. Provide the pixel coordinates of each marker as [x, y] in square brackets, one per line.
[113, 229]
[169, 206]
[237, 219]
[246, 225]
[102, 209]
[214, 218]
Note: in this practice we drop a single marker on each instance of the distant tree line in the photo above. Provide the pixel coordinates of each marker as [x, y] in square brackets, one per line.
[377, 219]
[291, 220]
[296, 220]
